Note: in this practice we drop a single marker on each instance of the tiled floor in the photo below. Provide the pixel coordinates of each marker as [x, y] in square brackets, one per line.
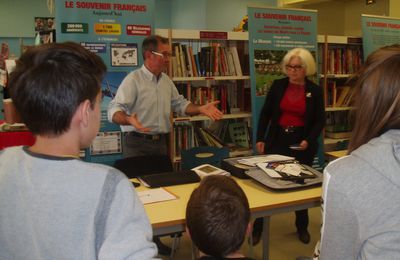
[284, 244]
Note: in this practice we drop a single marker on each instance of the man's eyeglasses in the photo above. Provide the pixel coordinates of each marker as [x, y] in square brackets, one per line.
[294, 67]
[163, 55]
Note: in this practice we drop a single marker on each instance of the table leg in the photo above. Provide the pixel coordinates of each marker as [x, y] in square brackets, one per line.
[265, 238]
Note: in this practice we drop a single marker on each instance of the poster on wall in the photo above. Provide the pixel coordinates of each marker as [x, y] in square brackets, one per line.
[379, 31]
[272, 32]
[112, 29]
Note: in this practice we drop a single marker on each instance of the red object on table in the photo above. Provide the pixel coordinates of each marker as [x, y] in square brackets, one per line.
[8, 139]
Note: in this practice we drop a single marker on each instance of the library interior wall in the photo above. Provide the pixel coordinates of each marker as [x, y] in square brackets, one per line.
[224, 15]
[327, 13]
[347, 15]
[394, 10]
[354, 9]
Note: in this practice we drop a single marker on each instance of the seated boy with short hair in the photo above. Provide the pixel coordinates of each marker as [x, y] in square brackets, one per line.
[218, 218]
[53, 205]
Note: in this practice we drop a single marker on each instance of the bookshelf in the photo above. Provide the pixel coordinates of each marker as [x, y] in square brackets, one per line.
[207, 66]
[339, 58]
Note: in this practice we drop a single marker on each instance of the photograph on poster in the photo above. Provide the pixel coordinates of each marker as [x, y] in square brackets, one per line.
[124, 54]
[109, 87]
[45, 27]
[267, 67]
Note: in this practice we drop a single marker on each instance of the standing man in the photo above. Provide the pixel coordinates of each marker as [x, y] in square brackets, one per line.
[142, 105]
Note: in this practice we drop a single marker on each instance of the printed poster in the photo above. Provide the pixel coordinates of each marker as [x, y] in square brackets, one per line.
[379, 31]
[112, 29]
[272, 32]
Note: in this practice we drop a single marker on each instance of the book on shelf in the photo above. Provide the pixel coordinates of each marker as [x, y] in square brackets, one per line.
[344, 59]
[228, 93]
[188, 62]
[236, 61]
[182, 61]
[343, 92]
[210, 61]
[176, 57]
[188, 135]
[239, 134]
[338, 96]
[348, 99]
[192, 62]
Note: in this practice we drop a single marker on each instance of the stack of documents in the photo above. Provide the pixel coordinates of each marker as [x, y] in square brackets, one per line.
[286, 170]
[265, 159]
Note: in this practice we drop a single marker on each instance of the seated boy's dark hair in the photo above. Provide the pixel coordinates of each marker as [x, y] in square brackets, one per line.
[49, 83]
[217, 216]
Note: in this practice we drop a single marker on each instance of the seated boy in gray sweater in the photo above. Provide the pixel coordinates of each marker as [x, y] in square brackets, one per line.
[218, 218]
[53, 205]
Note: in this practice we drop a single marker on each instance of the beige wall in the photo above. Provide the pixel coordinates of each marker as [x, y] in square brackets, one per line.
[353, 11]
[394, 10]
[343, 17]
[330, 17]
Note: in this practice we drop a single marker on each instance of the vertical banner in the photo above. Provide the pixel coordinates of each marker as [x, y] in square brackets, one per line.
[114, 30]
[272, 32]
[379, 31]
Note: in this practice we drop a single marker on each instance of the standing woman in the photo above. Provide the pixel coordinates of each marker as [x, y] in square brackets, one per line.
[361, 192]
[293, 114]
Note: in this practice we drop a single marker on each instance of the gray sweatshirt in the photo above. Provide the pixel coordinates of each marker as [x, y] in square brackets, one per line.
[361, 202]
[64, 208]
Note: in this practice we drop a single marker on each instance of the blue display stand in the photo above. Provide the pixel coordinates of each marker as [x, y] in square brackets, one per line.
[113, 30]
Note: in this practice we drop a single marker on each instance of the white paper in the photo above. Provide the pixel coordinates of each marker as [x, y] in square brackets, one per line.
[271, 172]
[293, 169]
[208, 169]
[265, 158]
[155, 195]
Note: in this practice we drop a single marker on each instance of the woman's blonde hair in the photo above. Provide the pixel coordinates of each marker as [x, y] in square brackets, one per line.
[377, 96]
[307, 60]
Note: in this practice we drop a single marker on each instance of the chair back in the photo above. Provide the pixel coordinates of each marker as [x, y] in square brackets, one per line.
[204, 154]
[144, 165]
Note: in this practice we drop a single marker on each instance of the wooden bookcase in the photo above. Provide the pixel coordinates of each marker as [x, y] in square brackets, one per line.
[339, 58]
[201, 85]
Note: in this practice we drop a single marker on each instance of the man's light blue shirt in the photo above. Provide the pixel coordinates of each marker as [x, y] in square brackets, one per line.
[150, 98]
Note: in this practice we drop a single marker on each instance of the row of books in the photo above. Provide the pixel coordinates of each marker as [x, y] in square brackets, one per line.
[338, 124]
[229, 95]
[233, 135]
[213, 60]
[338, 96]
[344, 60]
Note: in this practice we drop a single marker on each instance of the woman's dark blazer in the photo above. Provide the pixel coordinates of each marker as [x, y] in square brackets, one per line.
[271, 112]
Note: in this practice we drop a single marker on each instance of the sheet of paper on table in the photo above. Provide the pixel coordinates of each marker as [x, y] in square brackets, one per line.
[155, 195]
[265, 159]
